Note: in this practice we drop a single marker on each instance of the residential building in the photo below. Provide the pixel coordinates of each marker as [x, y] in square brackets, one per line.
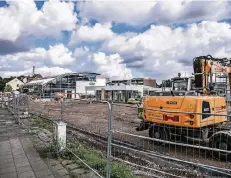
[15, 84]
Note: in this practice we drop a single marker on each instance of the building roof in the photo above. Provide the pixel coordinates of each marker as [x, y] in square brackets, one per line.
[40, 82]
[44, 81]
[76, 73]
[14, 79]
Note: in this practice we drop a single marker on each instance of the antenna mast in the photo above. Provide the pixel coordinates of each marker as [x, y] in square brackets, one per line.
[33, 72]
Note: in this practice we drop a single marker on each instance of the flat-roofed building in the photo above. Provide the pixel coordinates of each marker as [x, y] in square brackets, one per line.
[122, 90]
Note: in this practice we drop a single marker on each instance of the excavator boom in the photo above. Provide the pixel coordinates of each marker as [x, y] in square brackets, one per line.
[205, 67]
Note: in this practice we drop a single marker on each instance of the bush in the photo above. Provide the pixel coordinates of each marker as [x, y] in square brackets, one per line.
[132, 101]
[8, 88]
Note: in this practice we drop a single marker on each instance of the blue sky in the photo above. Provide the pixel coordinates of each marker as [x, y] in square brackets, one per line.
[118, 39]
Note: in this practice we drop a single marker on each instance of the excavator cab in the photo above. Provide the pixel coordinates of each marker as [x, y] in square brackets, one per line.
[182, 84]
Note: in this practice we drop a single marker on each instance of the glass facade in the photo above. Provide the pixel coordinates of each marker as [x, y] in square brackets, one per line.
[65, 83]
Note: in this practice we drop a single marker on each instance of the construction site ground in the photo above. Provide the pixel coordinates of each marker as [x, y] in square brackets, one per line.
[93, 117]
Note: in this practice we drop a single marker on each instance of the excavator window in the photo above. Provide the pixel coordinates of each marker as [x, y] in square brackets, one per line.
[180, 85]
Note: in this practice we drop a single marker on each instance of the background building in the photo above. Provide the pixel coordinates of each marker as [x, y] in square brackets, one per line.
[72, 84]
[122, 90]
[15, 84]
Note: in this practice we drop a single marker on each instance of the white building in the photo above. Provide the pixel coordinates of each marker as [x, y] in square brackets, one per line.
[122, 90]
[15, 84]
[90, 88]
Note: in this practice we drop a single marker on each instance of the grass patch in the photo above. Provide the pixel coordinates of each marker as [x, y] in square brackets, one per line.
[94, 158]
[42, 123]
[97, 161]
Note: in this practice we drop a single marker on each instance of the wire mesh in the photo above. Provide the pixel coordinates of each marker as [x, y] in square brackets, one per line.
[109, 135]
[176, 150]
[87, 131]
[86, 140]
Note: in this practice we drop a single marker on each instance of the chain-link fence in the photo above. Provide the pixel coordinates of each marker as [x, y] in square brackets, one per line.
[104, 137]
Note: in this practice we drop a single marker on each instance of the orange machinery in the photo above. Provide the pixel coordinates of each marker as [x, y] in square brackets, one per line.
[199, 115]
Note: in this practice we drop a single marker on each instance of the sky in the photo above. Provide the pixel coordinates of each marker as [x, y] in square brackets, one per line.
[118, 39]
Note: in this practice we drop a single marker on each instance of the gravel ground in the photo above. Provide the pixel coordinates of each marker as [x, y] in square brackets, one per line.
[94, 117]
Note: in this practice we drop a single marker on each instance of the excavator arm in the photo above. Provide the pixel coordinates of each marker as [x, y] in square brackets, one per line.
[204, 68]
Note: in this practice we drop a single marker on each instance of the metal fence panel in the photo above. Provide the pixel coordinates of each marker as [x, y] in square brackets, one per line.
[166, 157]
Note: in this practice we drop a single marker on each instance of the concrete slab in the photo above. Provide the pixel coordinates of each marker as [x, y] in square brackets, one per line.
[28, 174]
[9, 175]
[18, 156]
[23, 169]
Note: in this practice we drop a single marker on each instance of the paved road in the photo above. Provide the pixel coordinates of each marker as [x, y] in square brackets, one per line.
[18, 157]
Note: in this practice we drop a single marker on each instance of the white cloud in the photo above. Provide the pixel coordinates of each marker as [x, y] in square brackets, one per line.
[146, 12]
[98, 32]
[124, 12]
[163, 51]
[57, 55]
[60, 55]
[22, 18]
[111, 66]
[82, 51]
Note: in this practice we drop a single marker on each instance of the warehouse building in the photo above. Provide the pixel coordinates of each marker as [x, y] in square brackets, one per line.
[122, 90]
[72, 85]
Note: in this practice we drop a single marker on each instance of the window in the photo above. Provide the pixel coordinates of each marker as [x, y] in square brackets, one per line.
[92, 77]
[17, 85]
[180, 85]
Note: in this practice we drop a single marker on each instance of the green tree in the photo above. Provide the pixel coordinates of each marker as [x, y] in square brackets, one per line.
[8, 88]
[3, 82]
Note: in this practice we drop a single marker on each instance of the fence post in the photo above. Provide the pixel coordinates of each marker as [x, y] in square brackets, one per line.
[60, 135]
[17, 109]
[109, 140]
[13, 105]
[2, 102]
[61, 109]
[27, 113]
[8, 104]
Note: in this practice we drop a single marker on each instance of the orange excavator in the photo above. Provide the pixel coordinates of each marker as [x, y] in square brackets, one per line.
[198, 116]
